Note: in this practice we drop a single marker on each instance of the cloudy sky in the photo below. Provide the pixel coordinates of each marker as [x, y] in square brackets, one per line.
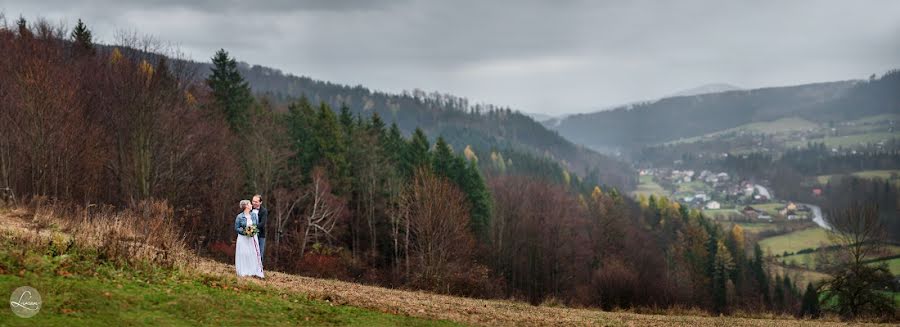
[537, 56]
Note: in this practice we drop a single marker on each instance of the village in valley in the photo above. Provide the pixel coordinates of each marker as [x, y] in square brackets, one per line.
[723, 197]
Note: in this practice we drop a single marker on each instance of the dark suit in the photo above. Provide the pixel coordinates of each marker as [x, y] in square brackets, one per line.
[263, 217]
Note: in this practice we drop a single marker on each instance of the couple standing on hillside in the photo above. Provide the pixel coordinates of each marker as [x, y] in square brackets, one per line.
[250, 226]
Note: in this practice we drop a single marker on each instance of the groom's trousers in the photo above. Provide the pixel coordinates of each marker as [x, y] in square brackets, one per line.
[262, 249]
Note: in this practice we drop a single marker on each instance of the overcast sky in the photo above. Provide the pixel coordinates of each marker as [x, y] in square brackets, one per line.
[545, 57]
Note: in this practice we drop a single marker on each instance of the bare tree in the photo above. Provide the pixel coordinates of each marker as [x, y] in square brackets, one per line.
[285, 202]
[323, 213]
[857, 288]
[436, 217]
[858, 231]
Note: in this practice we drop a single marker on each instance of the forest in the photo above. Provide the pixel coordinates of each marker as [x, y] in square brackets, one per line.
[351, 196]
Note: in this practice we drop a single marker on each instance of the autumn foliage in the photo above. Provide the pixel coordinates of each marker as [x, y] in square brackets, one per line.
[350, 197]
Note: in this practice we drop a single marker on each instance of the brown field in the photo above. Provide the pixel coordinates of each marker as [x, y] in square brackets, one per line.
[443, 307]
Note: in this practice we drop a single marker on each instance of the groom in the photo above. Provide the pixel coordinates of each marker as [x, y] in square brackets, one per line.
[263, 215]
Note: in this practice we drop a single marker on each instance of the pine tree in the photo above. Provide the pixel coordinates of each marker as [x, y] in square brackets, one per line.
[778, 295]
[22, 24]
[377, 125]
[810, 306]
[759, 273]
[443, 160]
[479, 199]
[394, 145]
[301, 122]
[332, 142]
[723, 266]
[346, 119]
[232, 94]
[82, 39]
[417, 153]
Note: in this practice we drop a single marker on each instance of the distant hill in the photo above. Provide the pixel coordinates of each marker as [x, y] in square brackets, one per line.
[683, 117]
[539, 117]
[706, 89]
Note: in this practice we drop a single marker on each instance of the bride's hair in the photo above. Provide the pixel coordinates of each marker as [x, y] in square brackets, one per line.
[244, 203]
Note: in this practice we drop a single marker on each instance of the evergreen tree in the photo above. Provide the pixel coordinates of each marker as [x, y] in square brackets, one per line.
[443, 160]
[394, 146]
[417, 153]
[332, 142]
[301, 122]
[378, 126]
[346, 119]
[810, 306]
[778, 296]
[480, 200]
[231, 93]
[723, 266]
[22, 24]
[82, 39]
[759, 273]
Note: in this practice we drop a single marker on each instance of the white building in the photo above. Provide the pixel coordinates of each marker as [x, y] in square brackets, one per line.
[713, 205]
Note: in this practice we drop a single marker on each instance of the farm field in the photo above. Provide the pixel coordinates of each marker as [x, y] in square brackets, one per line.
[782, 125]
[812, 237]
[883, 174]
[847, 140]
[647, 186]
[771, 208]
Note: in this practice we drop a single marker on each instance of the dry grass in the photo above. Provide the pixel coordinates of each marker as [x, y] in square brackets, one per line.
[393, 301]
[143, 235]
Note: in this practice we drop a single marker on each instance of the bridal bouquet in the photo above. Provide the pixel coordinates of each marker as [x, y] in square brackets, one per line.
[251, 230]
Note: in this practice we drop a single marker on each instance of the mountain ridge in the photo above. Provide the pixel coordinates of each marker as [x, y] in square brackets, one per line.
[672, 118]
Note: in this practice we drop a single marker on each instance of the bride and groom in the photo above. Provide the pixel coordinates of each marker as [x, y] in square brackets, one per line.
[250, 226]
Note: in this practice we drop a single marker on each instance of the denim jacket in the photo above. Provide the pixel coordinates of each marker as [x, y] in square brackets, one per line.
[240, 223]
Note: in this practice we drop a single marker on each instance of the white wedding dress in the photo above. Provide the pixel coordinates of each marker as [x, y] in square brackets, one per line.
[246, 255]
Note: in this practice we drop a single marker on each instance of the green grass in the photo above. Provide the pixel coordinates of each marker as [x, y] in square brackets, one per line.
[755, 228]
[648, 187]
[76, 290]
[771, 208]
[805, 260]
[893, 265]
[795, 241]
[80, 301]
[808, 260]
[694, 187]
[848, 140]
[877, 119]
[870, 174]
[782, 125]
[713, 213]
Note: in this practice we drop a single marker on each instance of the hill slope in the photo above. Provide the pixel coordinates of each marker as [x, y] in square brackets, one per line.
[87, 297]
[485, 127]
[680, 117]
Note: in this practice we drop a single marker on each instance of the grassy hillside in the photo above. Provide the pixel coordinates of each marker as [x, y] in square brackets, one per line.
[81, 287]
[871, 174]
[796, 241]
[782, 125]
[121, 298]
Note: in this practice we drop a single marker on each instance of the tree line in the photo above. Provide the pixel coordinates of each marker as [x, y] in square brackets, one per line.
[351, 196]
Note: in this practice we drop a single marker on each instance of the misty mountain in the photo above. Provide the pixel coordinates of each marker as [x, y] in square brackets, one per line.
[539, 117]
[678, 117]
[706, 89]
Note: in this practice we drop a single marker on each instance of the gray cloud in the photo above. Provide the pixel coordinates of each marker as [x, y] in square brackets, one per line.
[538, 56]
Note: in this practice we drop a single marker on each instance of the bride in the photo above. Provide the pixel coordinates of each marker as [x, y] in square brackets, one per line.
[246, 254]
